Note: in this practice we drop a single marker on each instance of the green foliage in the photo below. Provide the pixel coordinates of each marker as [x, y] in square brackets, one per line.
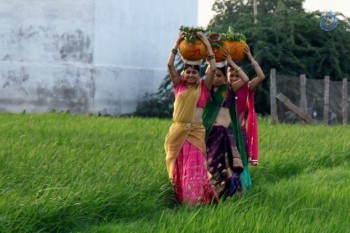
[264, 7]
[288, 39]
[70, 173]
[216, 44]
[190, 33]
[230, 35]
[159, 104]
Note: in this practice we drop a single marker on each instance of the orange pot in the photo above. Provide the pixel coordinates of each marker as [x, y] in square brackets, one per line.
[219, 53]
[192, 52]
[236, 49]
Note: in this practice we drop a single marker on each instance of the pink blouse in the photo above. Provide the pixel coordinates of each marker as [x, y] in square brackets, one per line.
[203, 98]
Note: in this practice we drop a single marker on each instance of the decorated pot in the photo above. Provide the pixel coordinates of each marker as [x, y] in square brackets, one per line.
[215, 41]
[236, 49]
[219, 53]
[192, 52]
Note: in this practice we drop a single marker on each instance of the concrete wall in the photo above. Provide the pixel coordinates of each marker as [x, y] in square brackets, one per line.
[86, 56]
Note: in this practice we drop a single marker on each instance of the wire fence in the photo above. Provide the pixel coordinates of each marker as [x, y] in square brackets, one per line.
[309, 100]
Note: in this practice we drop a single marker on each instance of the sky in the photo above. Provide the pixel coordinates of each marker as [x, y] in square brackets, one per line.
[343, 6]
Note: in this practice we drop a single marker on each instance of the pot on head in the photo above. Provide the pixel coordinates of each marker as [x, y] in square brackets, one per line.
[192, 52]
[236, 50]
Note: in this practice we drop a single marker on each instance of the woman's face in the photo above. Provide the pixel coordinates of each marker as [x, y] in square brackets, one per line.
[191, 75]
[219, 78]
[232, 75]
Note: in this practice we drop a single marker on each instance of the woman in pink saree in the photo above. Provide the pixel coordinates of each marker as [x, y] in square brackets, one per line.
[185, 142]
[245, 107]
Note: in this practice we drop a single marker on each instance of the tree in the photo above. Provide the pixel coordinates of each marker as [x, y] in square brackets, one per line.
[285, 37]
[237, 8]
[288, 39]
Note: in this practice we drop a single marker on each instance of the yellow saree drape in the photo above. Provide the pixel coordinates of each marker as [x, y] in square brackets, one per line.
[182, 128]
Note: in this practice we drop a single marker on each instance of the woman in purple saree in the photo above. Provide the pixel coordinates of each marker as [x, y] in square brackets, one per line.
[234, 135]
[226, 158]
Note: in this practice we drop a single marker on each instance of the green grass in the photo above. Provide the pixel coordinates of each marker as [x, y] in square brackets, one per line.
[71, 173]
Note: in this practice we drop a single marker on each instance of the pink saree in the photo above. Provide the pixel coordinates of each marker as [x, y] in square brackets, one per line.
[249, 123]
[190, 178]
[185, 152]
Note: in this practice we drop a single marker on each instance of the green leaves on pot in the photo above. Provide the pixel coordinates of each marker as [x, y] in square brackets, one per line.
[190, 33]
[216, 44]
[230, 35]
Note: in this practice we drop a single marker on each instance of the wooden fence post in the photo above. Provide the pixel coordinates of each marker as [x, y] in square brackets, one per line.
[303, 100]
[298, 111]
[326, 100]
[345, 101]
[273, 96]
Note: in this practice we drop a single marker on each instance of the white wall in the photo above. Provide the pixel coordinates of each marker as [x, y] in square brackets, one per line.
[86, 56]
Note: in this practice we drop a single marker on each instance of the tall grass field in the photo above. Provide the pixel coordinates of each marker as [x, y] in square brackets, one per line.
[74, 173]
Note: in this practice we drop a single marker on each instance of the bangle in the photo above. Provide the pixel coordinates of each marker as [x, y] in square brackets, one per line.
[174, 51]
[210, 57]
[238, 69]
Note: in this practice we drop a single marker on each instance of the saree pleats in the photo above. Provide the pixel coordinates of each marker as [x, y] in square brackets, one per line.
[233, 131]
[190, 178]
[252, 130]
[224, 162]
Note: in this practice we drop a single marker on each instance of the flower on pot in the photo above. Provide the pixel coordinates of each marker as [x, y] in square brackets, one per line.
[192, 48]
[235, 42]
